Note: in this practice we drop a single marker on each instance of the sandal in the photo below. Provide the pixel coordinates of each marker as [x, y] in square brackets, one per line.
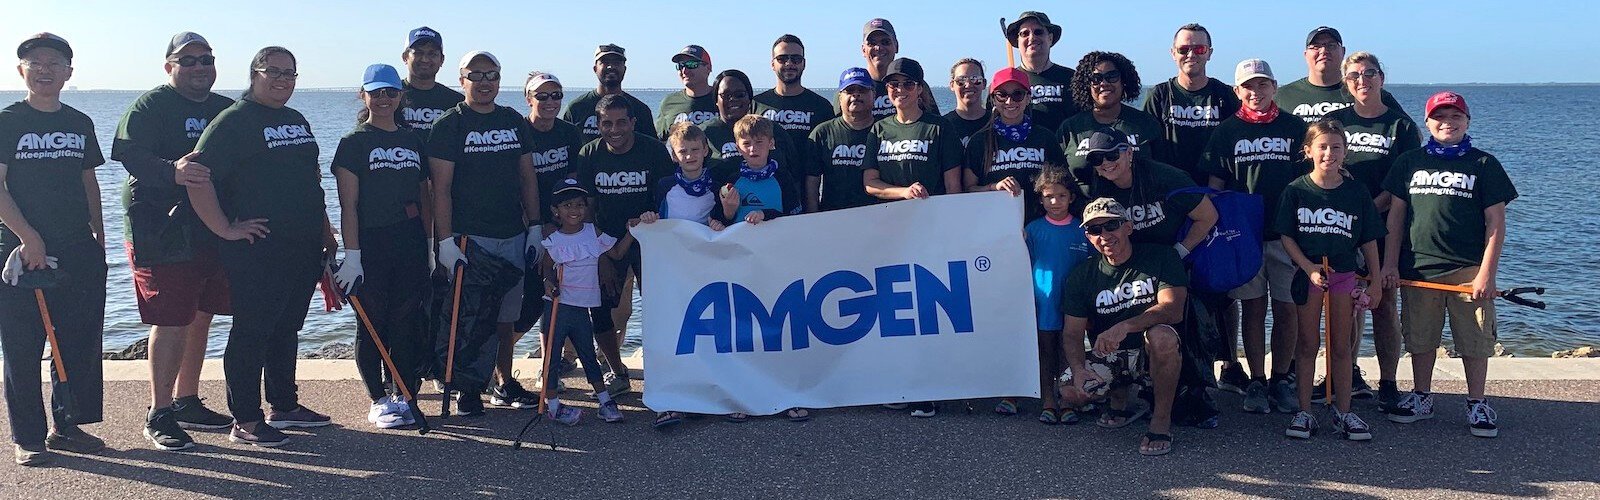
[1153, 438]
[737, 418]
[1048, 416]
[1113, 418]
[799, 415]
[1006, 407]
[666, 420]
[1067, 416]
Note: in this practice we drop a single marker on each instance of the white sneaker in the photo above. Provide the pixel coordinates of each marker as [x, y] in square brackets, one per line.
[1481, 418]
[379, 408]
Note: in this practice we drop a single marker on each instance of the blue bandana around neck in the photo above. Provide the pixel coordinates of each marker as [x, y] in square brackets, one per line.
[697, 187]
[1442, 151]
[758, 175]
[1015, 133]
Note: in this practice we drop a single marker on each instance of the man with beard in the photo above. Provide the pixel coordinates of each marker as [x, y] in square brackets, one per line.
[425, 99]
[610, 66]
[1034, 35]
[696, 103]
[790, 105]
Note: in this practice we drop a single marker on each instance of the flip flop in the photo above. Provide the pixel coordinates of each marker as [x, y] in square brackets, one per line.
[1128, 416]
[799, 415]
[1152, 438]
[737, 418]
[1048, 416]
[1068, 416]
[1006, 407]
[667, 420]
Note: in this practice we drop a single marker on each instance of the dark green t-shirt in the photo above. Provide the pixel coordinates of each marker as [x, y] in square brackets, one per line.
[798, 115]
[1144, 132]
[1106, 294]
[389, 167]
[44, 173]
[679, 107]
[1188, 118]
[992, 157]
[1257, 158]
[423, 107]
[1331, 223]
[160, 127]
[581, 113]
[1445, 199]
[1156, 219]
[963, 127]
[263, 163]
[920, 151]
[554, 157]
[485, 185]
[623, 185]
[1311, 102]
[839, 154]
[1372, 144]
[1052, 96]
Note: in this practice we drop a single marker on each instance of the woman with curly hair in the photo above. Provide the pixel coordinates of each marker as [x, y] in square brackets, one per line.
[1104, 81]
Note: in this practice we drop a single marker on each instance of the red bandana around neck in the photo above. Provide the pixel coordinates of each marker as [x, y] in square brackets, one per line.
[1253, 116]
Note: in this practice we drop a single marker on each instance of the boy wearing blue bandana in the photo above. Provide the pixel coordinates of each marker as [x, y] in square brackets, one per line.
[687, 194]
[762, 189]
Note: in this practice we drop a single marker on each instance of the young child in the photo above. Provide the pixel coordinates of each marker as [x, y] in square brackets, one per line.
[1055, 245]
[762, 189]
[1328, 222]
[571, 270]
[1454, 197]
[687, 195]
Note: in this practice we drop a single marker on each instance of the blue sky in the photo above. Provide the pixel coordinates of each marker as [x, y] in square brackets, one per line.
[119, 44]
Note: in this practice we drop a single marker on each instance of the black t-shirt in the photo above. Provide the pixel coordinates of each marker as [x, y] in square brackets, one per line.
[486, 185]
[1445, 199]
[963, 127]
[1052, 95]
[422, 107]
[623, 185]
[1331, 223]
[44, 173]
[160, 127]
[1106, 294]
[580, 112]
[1188, 118]
[263, 163]
[554, 157]
[838, 155]
[679, 107]
[1372, 144]
[798, 115]
[389, 167]
[1144, 132]
[1257, 158]
[991, 157]
[920, 151]
[1156, 218]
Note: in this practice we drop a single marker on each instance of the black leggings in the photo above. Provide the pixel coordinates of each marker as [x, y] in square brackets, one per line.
[394, 261]
[78, 311]
[271, 281]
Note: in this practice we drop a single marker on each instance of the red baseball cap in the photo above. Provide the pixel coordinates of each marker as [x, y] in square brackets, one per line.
[1007, 75]
[1447, 99]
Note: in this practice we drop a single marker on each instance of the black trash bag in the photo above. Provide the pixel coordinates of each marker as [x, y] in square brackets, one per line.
[1201, 343]
[485, 281]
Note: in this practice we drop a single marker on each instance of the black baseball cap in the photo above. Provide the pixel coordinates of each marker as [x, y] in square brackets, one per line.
[910, 68]
[567, 189]
[695, 52]
[1324, 30]
[1104, 139]
[1015, 26]
[44, 40]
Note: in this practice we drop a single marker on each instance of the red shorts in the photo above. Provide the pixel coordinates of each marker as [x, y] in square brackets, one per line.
[171, 294]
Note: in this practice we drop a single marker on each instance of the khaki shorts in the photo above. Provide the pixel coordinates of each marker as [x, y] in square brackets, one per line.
[1423, 313]
[1275, 277]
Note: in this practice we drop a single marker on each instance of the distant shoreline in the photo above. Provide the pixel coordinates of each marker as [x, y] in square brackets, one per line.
[653, 89]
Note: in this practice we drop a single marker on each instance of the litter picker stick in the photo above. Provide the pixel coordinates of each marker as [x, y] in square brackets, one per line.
[545, 336]
[1327, 329]
[1513, 295]
[450, 352]
[394, 371]
[68, 402]
[1011, 52]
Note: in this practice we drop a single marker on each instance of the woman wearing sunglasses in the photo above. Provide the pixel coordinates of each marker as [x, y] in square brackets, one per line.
[1103, 81]
[382, 196]
[555, 143]
[971, 113]
[1011, 150]
[263, 194]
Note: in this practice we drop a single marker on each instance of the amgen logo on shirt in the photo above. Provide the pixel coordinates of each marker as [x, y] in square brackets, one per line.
[421, 118]
[287, 135]
[192, 127]
[393, 158]
[50, 145]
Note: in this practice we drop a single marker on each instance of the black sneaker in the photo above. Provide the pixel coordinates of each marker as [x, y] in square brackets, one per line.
[260, 434]
[161, 427]
[1480, 419]
[1388, 395]
[924, 410]
[1233, 379]
[298, 417]
[31, 455]
[512, 395]
[191, 413]
[469, 404]
[73, 439]
[1358, 385]
[1319, 392]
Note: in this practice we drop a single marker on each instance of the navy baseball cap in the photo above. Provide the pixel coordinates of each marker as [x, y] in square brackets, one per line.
[855, 76]
[44, 40]
[567, 189]
[1105, 139]
[380, 76]
[424, 34]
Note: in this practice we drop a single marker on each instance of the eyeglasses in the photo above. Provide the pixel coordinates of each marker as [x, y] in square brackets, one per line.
[969, 81]
[689, 64]
[901, 84]
[548, 96]
[1096, 229]
[1095, 158]
[1369, 73]
[52, 66]
[189, 61]
[386, 92]
[483, 76]
[278, 73]
[735, 94]
[1113, 76]
[1198, 50]
[1325, 47]
[1012, 96]
[789, 58]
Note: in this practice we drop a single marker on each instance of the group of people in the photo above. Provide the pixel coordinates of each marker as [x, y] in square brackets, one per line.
[225, 215]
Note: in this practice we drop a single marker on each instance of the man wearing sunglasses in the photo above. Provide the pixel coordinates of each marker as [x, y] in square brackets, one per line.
[177, 276]
[696, 103]
[1125, 300]
[610, 67]
[1034, 35]
[425, 98]
[1190, 105]
[1322, 90]
[790, 105]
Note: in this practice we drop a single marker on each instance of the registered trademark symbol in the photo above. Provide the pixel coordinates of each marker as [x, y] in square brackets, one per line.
[981, 263]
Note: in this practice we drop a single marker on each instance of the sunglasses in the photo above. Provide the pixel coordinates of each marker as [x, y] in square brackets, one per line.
[736, 94]
[1112, 76]
[789, 58]
[278, 73]
[689, 64]
[1325, 47]
[969, 81]
[902, 84]
[483, 76]
[1198, 50]
[1096, 229]
[1096, 158]
[1369, 73]
[1012, 96]
[386, 92]
[188, 61]
[548, 96]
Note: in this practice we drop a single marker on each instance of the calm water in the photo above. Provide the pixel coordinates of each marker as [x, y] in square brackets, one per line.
[1543, 134]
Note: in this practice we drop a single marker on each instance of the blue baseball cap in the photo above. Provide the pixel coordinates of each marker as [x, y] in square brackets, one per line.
[424, 34]
[855, 76]
[380, 76]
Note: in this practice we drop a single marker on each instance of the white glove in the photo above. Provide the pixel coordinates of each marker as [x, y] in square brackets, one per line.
[14, 267]
[450, 255]
[1183, 251]
[349, 275]
[534, 250]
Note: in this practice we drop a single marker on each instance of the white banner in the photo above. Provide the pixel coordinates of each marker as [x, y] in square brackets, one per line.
[918, 300]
